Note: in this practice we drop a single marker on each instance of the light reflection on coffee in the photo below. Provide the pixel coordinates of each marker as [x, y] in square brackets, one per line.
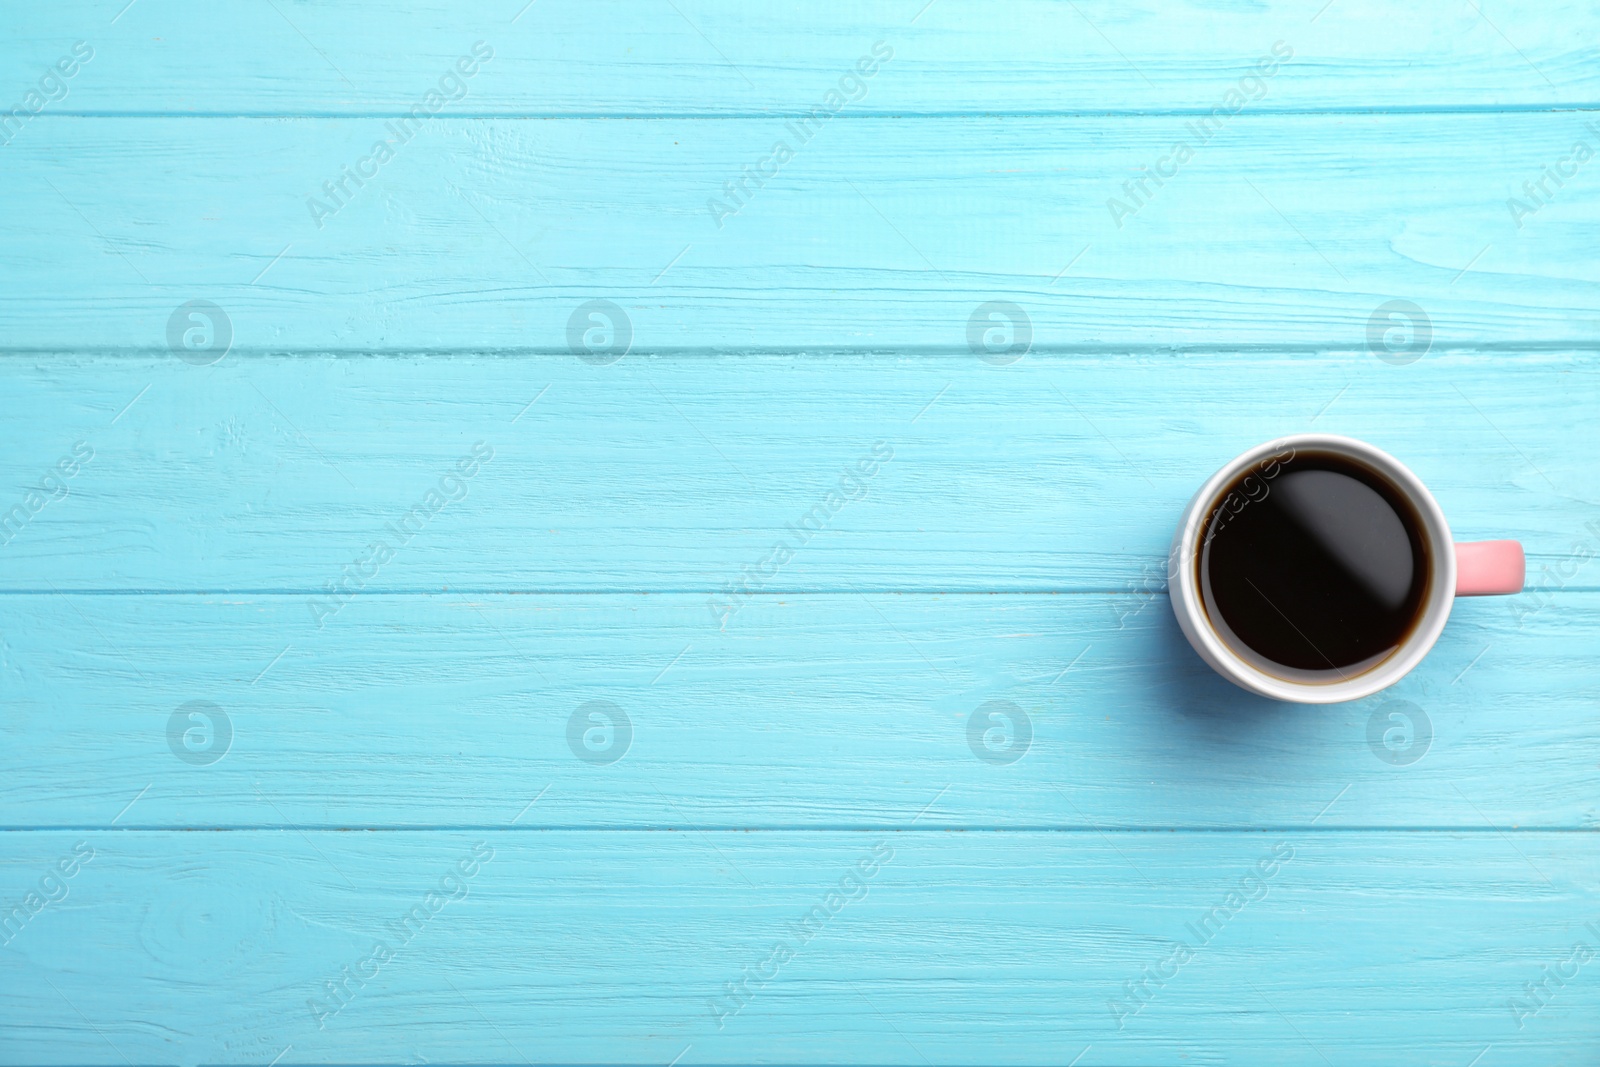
[1314, 570]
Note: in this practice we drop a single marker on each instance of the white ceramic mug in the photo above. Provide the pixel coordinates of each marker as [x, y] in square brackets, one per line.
[1477, 568]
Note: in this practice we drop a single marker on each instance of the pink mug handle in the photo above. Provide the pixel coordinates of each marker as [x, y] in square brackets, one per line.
[1489, 568]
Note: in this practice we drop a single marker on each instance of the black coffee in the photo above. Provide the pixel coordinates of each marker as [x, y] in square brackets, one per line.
[1313, 564]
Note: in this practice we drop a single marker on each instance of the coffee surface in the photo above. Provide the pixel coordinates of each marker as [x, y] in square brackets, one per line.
[1319, 568]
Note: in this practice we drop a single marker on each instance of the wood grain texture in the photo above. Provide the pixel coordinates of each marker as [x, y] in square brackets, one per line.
[825, 711]
[1281, 231]
[952, 949]
[171, 533]
[681, 473]
[718, 57]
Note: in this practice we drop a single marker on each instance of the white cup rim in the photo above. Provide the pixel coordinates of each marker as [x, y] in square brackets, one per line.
[1188, 605]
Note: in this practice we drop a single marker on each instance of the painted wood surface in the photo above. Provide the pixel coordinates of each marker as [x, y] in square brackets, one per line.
[828, 711]
[891, 946]
[722, 57]
[879, 234]
[1056, 473]
[628, 757]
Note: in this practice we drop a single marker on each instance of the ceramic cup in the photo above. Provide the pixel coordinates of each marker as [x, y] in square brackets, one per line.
[1477, 568]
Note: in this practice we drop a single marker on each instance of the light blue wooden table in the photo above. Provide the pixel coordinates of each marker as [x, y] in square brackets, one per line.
[631, 531]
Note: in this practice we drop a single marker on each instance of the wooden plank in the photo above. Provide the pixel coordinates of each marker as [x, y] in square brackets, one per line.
[846, 710]
[719, 57]
[1281, 231]
[241, 781]
[953, 948]
[1060, 472]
